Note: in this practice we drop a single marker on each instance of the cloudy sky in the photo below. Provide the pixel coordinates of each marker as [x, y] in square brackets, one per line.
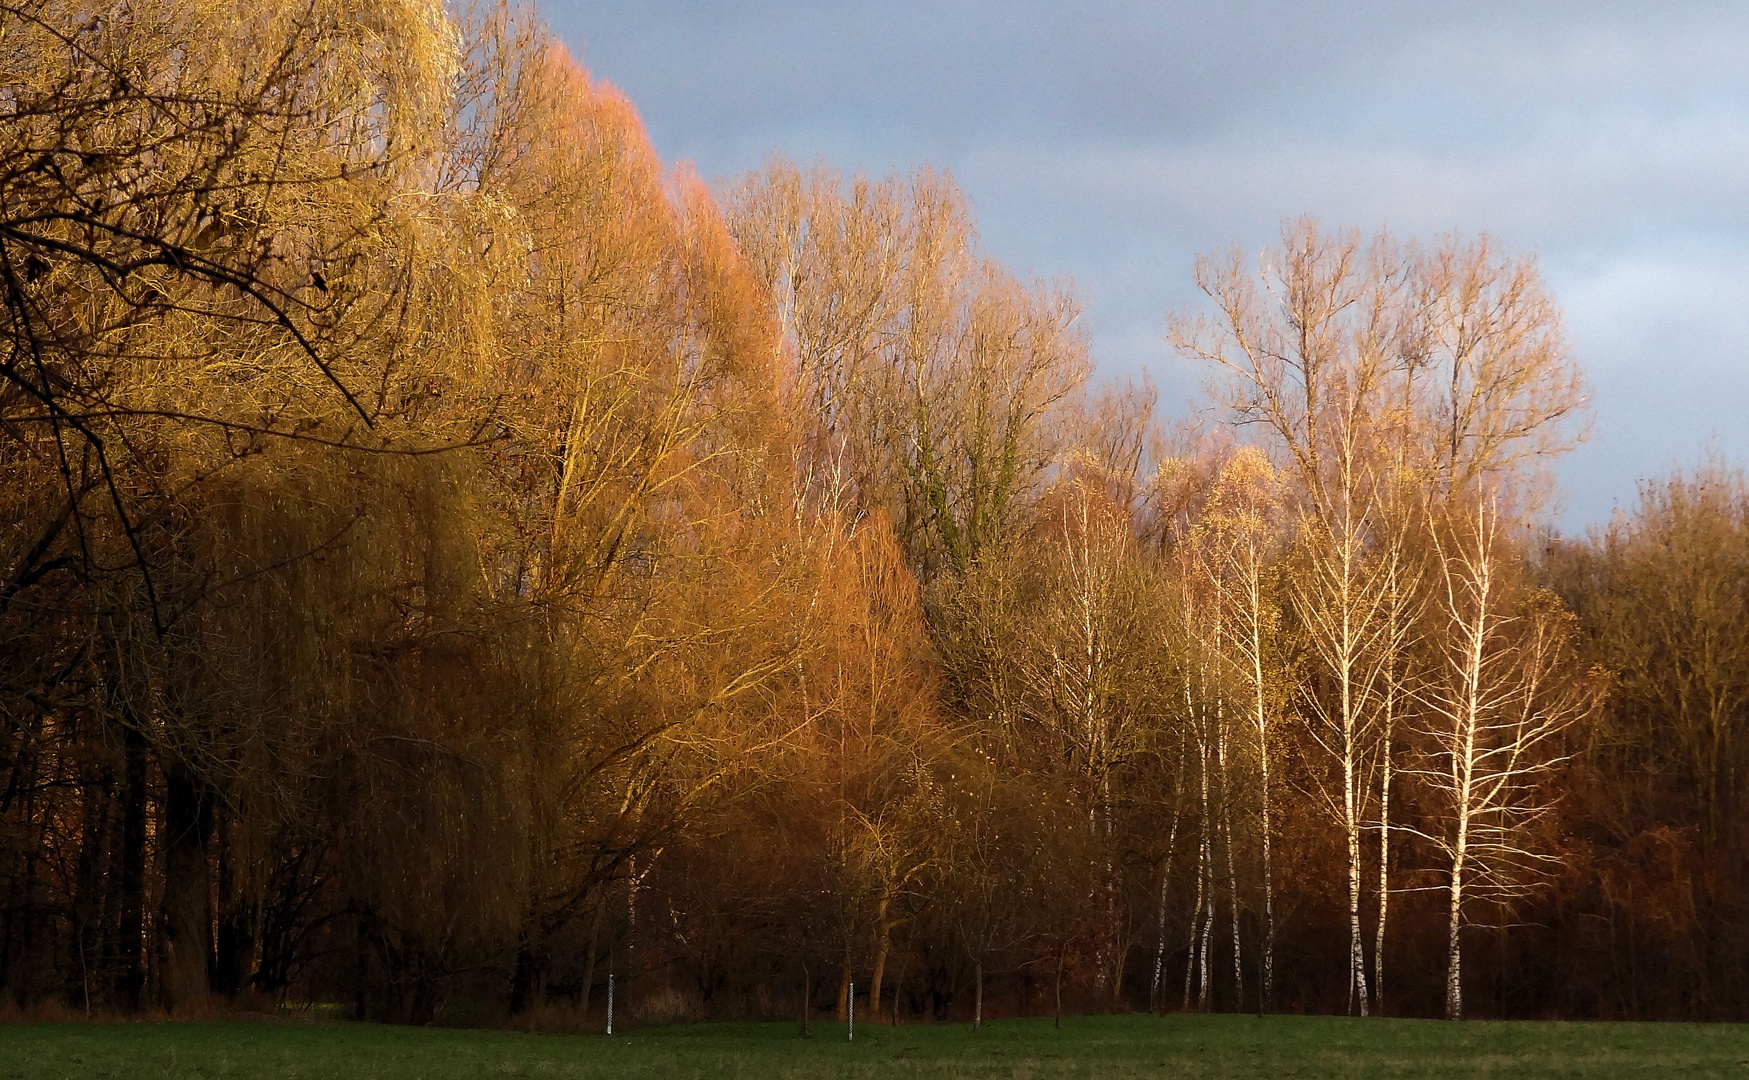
[1111, 141]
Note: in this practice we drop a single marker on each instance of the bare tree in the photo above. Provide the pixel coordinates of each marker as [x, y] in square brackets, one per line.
[1314, 362]
[1495, 391]
[1505, 688]
[935, 373]
[1082, 664]
[1373, 369]
[1244, 515]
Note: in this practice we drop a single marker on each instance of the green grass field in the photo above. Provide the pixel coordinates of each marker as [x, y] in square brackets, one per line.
[1114, 1047]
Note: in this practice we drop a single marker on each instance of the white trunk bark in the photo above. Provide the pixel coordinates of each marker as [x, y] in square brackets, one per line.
[1348, 657]
[1205, 888]
[1195, 929]
[1378, 951]
[1190, 951]
[1266, 992]
[1154, 999]
[1232, 873]
[1464, 787]
[1357, 995]
[1454, 998]
[1205, 985]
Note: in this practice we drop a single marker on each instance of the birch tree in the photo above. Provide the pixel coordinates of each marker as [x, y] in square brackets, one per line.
[1402, 624]
[1244, 515]
[1371, 370]
[1496, 394]
[1505, 688]
[1312, 359]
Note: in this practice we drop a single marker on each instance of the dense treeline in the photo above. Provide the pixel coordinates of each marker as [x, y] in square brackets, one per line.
[447, 560]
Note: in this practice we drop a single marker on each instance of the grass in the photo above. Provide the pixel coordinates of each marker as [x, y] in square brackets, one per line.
[1105, 1047]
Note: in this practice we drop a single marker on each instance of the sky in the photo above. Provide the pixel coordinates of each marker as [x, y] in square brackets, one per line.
[1111, 141]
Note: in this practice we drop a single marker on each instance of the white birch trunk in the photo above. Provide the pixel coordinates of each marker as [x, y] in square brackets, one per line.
[1357, 996]
[1266, 999]
[1463, 765]
[1348, 657]
[1205, 863]
[1454, 997]
[1378, 951]
[1154, 999]
[1190, 951]
[1205, 986]
[1227, 838]
[1252, 646]
[1195, 928]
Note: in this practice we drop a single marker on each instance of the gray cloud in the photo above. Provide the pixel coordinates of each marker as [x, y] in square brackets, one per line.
[1111, 141]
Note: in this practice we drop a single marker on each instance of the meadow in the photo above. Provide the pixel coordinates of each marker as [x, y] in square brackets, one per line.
[1106, 1047]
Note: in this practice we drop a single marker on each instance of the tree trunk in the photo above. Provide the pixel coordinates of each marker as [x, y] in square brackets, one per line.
[13, 909]
[1348, 652]
[131, 930]
[1156, 1000]
[1378, 949]
[1119, 965]
[1454, 998]
[1201, 924]
[188, 815]
[1232, 873]
[1205, 987]
[1062, 955]
[594, 951]
[883, 945]
[360, 967]
[21, 926]
[1463, 776]
[1195, 923]
[807, 995]
[978, 1007]
[1357, 995]
[528, 984]
[90, 898]
[1266, 994]
[239, 924]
